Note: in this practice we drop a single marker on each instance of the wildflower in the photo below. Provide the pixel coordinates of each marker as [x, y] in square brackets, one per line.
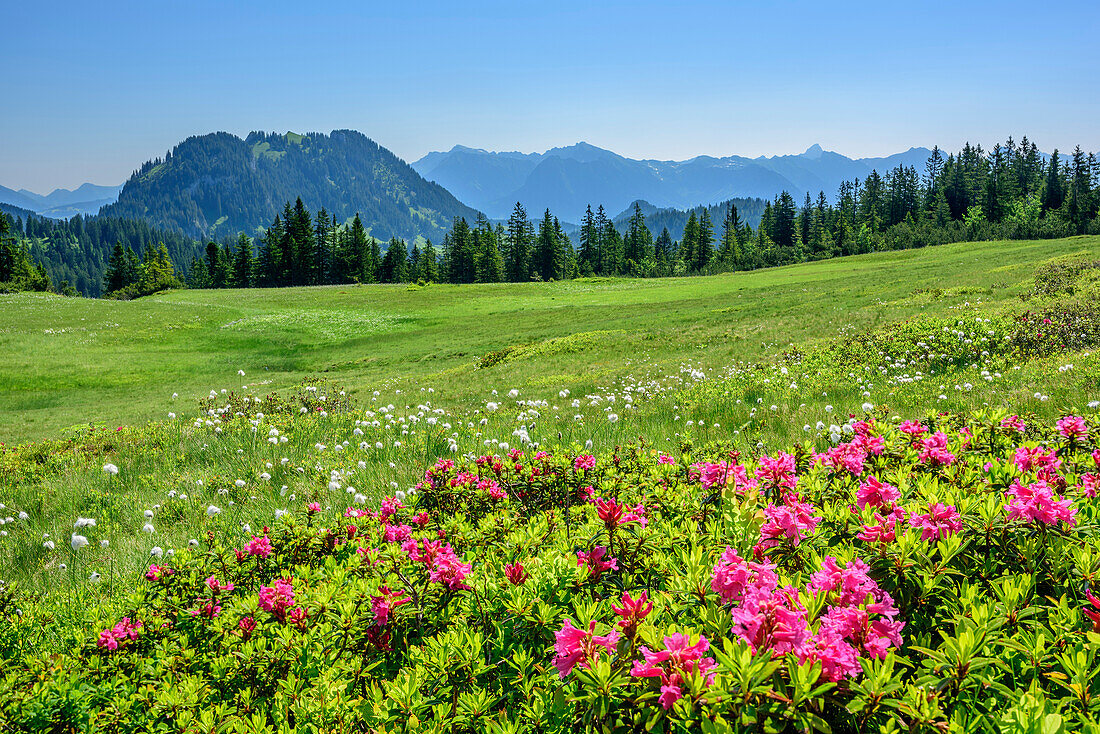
[595, 562]
[939, 522]
[1036, 460]
[297, 616]
[382, 606]
[584, 461]
[258, 546]
[1014, 423]
[733, 575]
[777, 472]
[1073, 427]
[247, 626]
[632, 612]
[1094, 613]
[614, 514]
[848, 457]
[678, 660]
[123, 632]
[1035, 502]
[787, 521]
[576, 646]
[1090, 484]
[875, 493]
[933, 450]
[313, 507]
[886, 529]
[914, 429]
[213, 585]
[155, 572]
[277, 598]
[516, 574]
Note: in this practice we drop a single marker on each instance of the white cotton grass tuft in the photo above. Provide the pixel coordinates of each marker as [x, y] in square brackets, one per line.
[212, 510]
[156, 551]
[84, 522]
[110, 468]
[78, 541]
[94, 577]
[148, 528]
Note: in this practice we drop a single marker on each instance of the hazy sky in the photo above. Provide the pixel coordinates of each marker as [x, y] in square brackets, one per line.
[93, 89]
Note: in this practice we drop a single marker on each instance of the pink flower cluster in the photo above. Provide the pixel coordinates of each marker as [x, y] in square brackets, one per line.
[788, 522]
[615, 515]
[382, 606]
[575, 646]
[277, 598]
[859, 617]
[1073, 427]
[444, 566]
[1036, 503]
[939, 522]
[123, 632]
[723, 474]
[680, 658]
[1042, 462]
[733, 575]
[597, 561]
[777, 472]
[845, 457]
[258, 546]
[933, 450]
[876, 494]
[584, 462]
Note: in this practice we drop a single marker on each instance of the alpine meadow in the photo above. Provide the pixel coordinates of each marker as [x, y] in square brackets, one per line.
[386, 432]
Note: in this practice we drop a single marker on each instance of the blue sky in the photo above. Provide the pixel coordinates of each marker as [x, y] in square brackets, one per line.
[92, 89]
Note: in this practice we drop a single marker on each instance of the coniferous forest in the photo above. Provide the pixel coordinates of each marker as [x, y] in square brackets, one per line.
[1009, 192]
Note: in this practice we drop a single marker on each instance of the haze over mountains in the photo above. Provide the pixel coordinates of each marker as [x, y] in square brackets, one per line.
[568, 179]
[62, 203]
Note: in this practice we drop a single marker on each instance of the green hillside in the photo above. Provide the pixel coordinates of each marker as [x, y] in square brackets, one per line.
[218, 184]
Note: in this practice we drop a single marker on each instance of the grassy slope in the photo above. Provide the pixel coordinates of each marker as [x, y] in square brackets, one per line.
[69, 361]
[64, 361]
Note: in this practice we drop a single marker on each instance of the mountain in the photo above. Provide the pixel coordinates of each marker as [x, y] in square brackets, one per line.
[62, 203]
[568, 179]
[218, 184]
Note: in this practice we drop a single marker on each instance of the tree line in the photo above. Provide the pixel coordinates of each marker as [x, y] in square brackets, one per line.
[1012, 192]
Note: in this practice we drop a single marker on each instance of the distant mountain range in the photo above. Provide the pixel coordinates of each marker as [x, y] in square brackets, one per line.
[62, 203]
[215, 185]
[568, 179]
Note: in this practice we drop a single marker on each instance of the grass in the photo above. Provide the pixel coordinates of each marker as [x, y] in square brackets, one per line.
[680, 362]
[67, 362]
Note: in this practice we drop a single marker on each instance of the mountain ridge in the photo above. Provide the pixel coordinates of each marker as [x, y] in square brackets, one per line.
[568, 178]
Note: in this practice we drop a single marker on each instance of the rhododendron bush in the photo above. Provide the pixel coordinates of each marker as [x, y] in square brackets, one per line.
[925, 575]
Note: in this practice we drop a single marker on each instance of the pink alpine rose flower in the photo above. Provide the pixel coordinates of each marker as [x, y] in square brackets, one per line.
[575, 646]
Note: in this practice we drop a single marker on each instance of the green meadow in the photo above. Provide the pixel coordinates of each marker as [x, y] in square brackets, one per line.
[380, 380]
[78, 362]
